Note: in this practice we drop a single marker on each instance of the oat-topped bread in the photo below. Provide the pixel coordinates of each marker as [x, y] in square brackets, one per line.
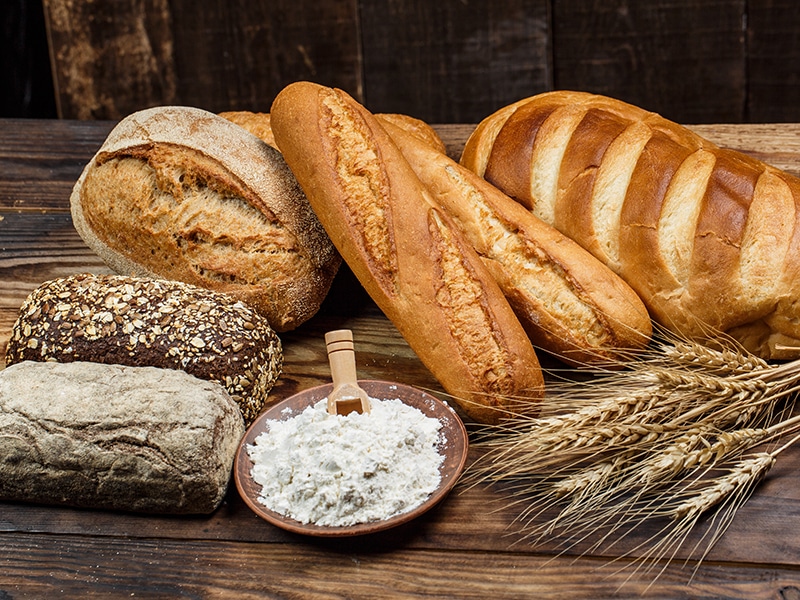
[113, 319]
[707, 236]
[184, 194]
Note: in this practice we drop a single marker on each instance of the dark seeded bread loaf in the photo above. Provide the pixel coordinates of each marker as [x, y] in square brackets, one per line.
[144, 322]
[114, 437]
[180, 193]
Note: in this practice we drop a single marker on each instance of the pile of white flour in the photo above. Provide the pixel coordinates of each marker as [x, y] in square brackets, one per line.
[334, 470]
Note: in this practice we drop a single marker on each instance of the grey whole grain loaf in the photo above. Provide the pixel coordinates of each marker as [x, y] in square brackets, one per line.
[147, 322]
[93, 435]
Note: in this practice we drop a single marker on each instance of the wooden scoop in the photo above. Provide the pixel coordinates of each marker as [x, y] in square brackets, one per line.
[346, 395]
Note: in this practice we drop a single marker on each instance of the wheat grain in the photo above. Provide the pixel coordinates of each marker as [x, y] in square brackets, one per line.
[743, 475]
[663, 437]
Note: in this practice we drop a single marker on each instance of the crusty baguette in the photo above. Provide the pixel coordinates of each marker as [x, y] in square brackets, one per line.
[570, 303]
[708, 237]
[406, 252]
[184, 194]
[142, 322]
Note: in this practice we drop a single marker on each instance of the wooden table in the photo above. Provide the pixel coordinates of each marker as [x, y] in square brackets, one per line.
[460, 549]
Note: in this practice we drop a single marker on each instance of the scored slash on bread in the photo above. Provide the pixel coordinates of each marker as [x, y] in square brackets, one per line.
[708, 237]
[406, 252]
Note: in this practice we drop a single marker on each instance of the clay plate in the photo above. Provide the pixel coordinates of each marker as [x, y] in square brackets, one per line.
[454, 449]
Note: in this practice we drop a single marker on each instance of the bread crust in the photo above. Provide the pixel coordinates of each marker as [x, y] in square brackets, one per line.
[181, 193]
[112, 319]
[115, 437]
[570, 303]
[406, 252]
[257, 123]
[692, 227]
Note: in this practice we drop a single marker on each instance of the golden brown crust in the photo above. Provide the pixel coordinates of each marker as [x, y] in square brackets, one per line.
[569, 302]
[416, 127]
[257, 123]
[406, 252]
[693, 228]
[183, 194]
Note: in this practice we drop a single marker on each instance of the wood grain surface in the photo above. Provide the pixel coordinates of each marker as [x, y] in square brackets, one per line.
[447, 62]
[464, 548]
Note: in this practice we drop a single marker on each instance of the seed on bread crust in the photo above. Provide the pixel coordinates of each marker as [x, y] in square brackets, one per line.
[149, 322]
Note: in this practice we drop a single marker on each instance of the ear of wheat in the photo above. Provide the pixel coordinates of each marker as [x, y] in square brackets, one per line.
[672, 439]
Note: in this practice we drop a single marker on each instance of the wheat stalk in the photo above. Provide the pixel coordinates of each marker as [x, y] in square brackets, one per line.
[670, 437]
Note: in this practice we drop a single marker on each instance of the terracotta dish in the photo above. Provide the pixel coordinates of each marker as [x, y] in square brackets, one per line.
[454, 450]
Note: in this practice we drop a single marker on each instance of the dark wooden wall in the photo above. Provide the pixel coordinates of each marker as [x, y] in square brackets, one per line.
[445, 61]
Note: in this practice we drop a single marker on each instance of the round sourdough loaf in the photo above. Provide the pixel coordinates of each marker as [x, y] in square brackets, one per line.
[142, 322]
[181, 193]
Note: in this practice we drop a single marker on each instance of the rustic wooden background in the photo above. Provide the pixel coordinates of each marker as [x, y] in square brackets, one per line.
[445, 61]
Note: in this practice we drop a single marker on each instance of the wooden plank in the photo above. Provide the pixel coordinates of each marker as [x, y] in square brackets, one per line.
[237, 55]
[113, 57]
[450, 62]
[77, 566]
[25, 76]
[773, 53]
[680, 58]
[39, 163]
[470, 528]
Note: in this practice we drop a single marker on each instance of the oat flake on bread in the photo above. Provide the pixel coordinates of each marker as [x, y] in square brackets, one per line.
[138, 321]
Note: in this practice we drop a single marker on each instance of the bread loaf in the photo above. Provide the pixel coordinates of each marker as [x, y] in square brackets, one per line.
[569, 302]
[707, 236]
[258, 123]
[406, 251]
[143, 322]
[115, 437]
[180, 193]
[416, 127]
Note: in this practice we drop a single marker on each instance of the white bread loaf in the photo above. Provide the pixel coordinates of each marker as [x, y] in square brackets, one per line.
[570, 303]
[406, 251]
[180, 193]
[708, 237]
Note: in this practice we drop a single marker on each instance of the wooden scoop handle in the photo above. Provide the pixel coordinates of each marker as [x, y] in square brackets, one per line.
[346, 394]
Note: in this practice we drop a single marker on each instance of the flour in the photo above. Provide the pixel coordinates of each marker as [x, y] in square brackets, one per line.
[334, 470]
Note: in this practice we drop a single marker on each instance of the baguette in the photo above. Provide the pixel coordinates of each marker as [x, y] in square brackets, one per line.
[570, 303]
[140, 322]
[180, 193]
[406, 252]
[708, 237]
